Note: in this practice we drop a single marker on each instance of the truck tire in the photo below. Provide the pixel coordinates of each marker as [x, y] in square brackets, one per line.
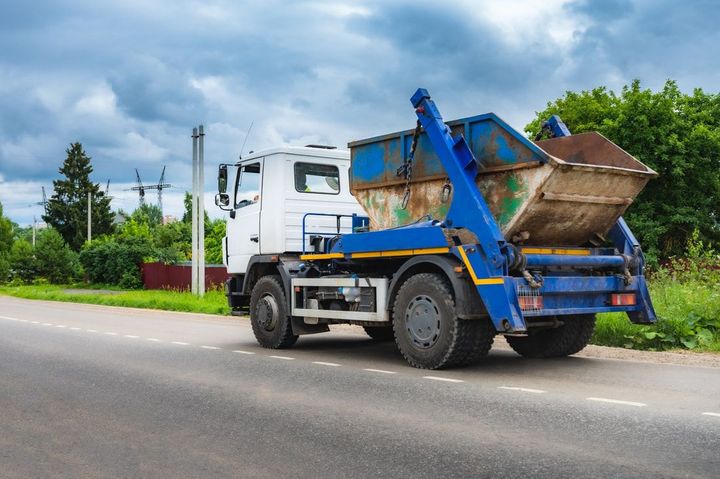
[568, 339]
[269, 314]
[428, 333]
[380, 333]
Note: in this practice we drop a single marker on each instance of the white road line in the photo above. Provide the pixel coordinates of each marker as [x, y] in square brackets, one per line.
[381, 371]
[242, 352]
[76, 328]
[131, 336]
[618, 401]
[23, 320]
[286, 358]
[210, 347]
[154, 340]
[180, 343]
[60, 326]
[91, 330]
[110, 333]
[525, 390]
[9, 318]
[448, 380]
[715, 414]
[35, 322]
[47, 324]
[322, 363]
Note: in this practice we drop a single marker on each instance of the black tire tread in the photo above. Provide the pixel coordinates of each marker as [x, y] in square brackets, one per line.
[471, 339]
[285, 339]
[566, 340]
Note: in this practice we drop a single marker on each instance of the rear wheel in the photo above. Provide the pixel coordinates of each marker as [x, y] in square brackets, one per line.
[427, 331]
[269, 314]
[565, 340]
[380, 333]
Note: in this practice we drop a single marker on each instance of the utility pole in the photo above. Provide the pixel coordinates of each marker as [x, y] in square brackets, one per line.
[89, 217]
[198, 213]
[201, 212]
[194, 268]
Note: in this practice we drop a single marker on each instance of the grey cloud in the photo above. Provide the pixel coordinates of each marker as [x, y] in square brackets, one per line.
[302, 71]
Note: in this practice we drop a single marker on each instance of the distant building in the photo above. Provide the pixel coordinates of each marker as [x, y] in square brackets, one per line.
[120, 218]
[167, 219]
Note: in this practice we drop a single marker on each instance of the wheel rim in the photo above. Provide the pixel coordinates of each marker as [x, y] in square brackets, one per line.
[267, 312]
[422, 320]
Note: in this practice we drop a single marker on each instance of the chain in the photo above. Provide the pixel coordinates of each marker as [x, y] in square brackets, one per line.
[407, 166]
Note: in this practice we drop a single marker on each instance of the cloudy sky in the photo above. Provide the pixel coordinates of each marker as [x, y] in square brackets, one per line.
[129, 79]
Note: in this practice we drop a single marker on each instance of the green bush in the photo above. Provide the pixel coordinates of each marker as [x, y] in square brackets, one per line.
[54, 260]
[23, 265]
[110, 261]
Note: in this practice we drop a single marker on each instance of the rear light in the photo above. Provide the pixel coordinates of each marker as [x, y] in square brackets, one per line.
[532, 303]
[623, 299]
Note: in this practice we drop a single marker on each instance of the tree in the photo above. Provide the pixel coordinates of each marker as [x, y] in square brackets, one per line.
[148, 214]
[213, 242]
[67, 208]
[6, 241]
[23, 264]
[677, 135]
[55, 261]
[187, 215]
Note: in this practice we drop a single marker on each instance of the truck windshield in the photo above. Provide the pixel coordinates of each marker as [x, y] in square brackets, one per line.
[317, 178]
[247, 185]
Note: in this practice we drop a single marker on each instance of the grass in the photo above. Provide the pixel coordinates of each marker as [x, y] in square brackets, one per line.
[678, 305]
[213, 302]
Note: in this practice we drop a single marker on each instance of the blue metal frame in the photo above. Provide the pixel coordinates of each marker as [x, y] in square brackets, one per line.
[357, 222]
[488, 261]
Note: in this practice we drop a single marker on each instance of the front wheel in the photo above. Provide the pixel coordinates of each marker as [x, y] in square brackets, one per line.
[427, 331]
[269, 314]
[570, 338]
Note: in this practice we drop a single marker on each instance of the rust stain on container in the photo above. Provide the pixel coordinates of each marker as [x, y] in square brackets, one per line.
[564, 191]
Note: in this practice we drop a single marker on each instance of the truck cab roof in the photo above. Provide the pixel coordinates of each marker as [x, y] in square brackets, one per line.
[300, 151]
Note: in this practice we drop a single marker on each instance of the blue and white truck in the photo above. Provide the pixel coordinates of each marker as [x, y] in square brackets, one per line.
[439, 238]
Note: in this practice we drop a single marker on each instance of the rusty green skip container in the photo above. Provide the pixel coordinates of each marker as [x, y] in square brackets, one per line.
[566, 191]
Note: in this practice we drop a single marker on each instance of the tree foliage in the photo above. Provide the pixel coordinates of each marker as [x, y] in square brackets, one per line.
[54, 260]
[148, 214]
[677, 135]
[6, 241]
[116, 261]
[67, 208]
[23, 265]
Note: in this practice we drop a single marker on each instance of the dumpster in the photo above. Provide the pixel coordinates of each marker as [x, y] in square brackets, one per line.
[566, 191]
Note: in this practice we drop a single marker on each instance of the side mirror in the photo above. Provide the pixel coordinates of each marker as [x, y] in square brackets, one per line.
[222, 200]
[222, 181]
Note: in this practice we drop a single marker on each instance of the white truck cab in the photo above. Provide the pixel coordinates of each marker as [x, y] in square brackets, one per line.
[271, 193]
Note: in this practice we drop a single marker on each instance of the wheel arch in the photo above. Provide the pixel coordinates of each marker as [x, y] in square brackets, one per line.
[468, 304]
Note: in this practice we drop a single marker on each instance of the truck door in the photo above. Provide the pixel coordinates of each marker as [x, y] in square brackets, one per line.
[243, 231]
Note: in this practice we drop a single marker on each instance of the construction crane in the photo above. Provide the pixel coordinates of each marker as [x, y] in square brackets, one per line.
[160, 186]
[44, 202]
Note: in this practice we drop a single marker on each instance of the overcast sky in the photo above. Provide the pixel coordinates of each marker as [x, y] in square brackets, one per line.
[129, 79]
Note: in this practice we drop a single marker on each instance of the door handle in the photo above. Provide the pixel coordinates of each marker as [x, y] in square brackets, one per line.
[255, 238]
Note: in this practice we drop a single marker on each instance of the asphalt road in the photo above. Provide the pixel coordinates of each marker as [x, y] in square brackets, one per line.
[89, 391]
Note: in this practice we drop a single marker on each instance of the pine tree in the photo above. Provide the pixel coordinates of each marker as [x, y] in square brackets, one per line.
[67, 208]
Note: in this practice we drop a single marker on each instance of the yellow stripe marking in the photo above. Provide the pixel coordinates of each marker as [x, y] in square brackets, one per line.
[311, 257]
[476, 280]
[376, 254]
[564, 251]
[400, 252]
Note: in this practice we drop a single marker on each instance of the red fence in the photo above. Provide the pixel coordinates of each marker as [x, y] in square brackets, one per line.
[177, 276]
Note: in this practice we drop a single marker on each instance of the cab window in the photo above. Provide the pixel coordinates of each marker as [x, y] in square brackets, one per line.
[247, 185]
[316, 178]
